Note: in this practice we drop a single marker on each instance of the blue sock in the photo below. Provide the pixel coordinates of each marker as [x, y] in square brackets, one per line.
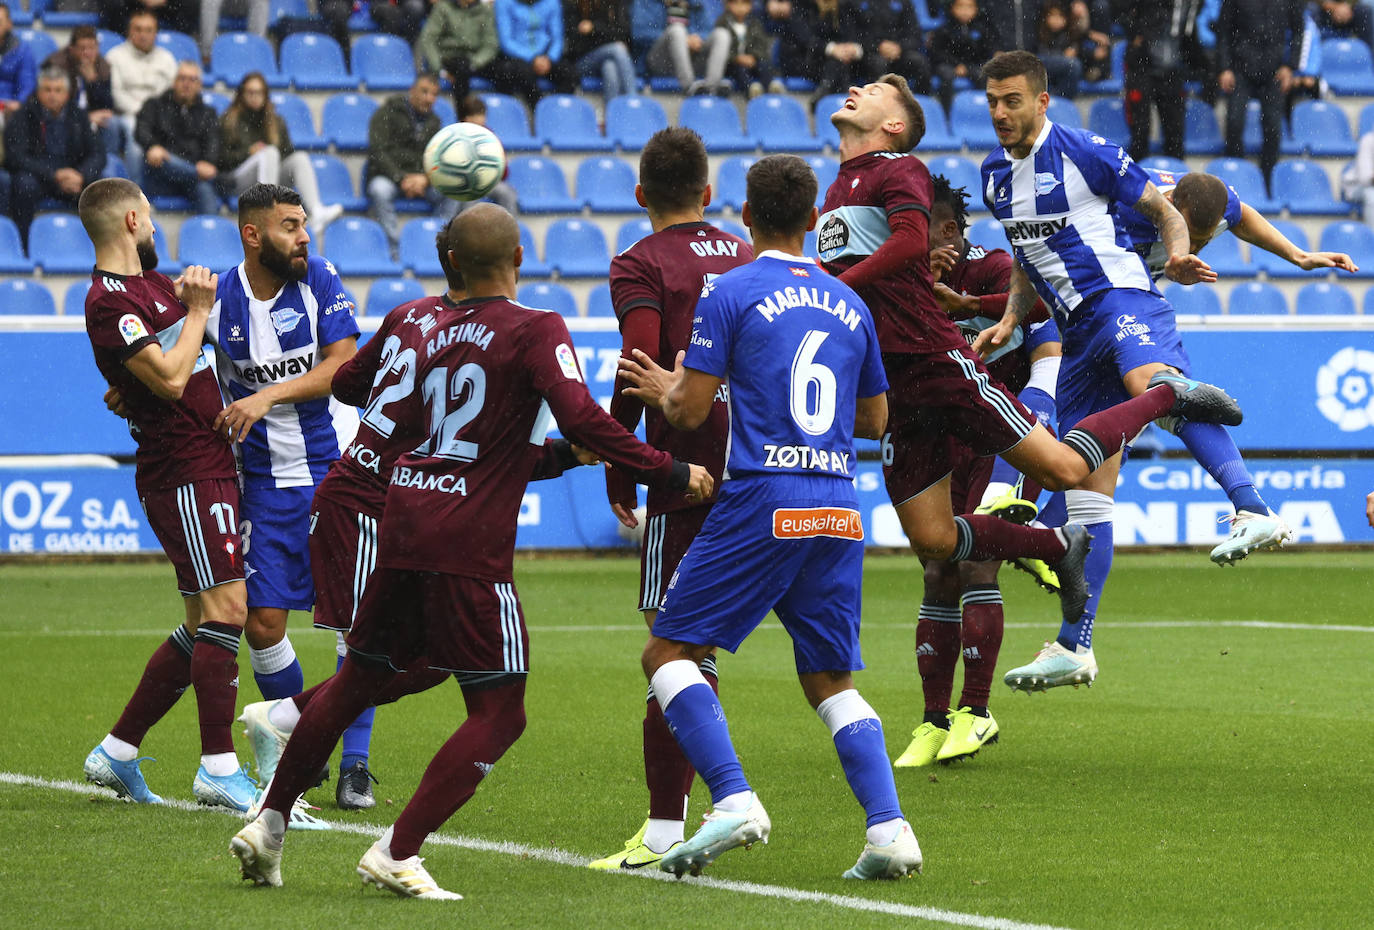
[1054, 514]
[357, 738]
[1097, 568]
[698, 724]
[858, 735]
[1040, 404]
[277, 670]
[1211, 444]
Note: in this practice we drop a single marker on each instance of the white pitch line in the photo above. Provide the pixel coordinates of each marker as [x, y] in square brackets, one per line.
[556, 856]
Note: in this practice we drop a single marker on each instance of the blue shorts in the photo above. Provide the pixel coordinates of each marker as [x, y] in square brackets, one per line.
[792, 544]
[1107, 336]
[276, 547]
[1037, 334]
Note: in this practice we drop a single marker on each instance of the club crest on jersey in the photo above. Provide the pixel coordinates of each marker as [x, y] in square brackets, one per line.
[285, 320]
[567, 361]
[132, 329]
[1166, 177]
[854, 183]
[800, 272]
[1045, 182]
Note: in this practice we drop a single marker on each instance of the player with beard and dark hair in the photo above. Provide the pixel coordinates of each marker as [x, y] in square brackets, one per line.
[146, 332]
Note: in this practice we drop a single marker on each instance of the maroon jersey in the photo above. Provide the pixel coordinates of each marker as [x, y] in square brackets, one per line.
[665, 273]
[492, 375]
[175, 442]
[982, 273]
[869, 190]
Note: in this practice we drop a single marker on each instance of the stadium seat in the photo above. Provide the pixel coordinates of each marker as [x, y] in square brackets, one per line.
[960, 172]
[938, 138]
[532, 266]
[507, 118]
[234, 54]
[631, 231]
[12, 257]
[729, 190]
[1201, 131]
[336, 185]
[168, 265]
[568, 124]
[1277, 267]
[182, 47]
[826, 170]
[778, 123]
[212, 241]
[216, 101]
[826, 131]
[25, 296]
[58, 245]
[1356, 240]
[299, 121]
[988, 233]
[383, 62]
[1253, 136]
[1107, 118]
[357, 246]
[540, 186]
[599, 301]
[1224, 255]
[1197, 299]
[1115, 80]
[297, 9]
[548, 296]
[417, 251]
[581, 249]
[41, 43]
[1256, 297]
[632, 118]
[1368, 304]
[315, 62]
[1063, 112]
[738, 230]
[54, 18]
[1321, 128]
[1305, 188]
[1177, 166]
[107, 39]
[1366, 120]
[387, 293]
[968, 120]
[607, 185]
[1347, 66]
[1324, 298]
[1244, 176]
[716, 119]
[345, 118]
[74, 301]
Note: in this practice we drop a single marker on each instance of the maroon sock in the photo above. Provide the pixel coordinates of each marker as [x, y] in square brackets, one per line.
[667, 773]
[992, 539]
[302, 700]
[937, 654]
[982, 640]
[165, 677]
[336, 703]
[215, 676]
[1099, 436]
[496, 718]
[1030, 490]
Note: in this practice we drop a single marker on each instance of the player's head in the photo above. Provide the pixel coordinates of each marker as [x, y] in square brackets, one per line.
[1201, 198]
[948, 213]
[1017, 97]
[484, 244]
[272, 228]
[780, 198]
[443, 243]
[114, 210]
[886, 110]
[674, 172]
[472, 109]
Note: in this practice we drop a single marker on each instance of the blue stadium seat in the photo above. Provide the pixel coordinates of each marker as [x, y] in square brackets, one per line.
[234, 54]
[1277, 267]
[1201, 131]
[386, 293]
[182, 47]
[826, 131]
[1253, 136]
[779, 124]
[1256, 297]
[507, 118]
[58, 245]
[107, 40]
[938, 138]
[1244, 176]
[988, 233]
[568, 124]
[1353, 238]
[74, 301]
[716, 119]
[548, 296]
[12, 257]
[417, 250]
[212, 241]
[607, 185]
[1347, 66]
[1224, 255]
[1177, 166]
[54, 18]
[1064, 112]
[1199, 299]
[1107, 118]
[336, 185]
[1366, 120]
[1368, 304]
[540, 186]
[631, 231]
[632, 118]
[738, 229]
[960, 172]
[215, 100]
[729, 190]
[1324, 298]
[345, 118]
[826, 170]
[299, 121]
[315, 62]
[532, 266]
[1115, 79]
[41, 43]
[26, 296]
[581, 249]
[296, 9]
[22, 17]
[1321, 128]
[599, 301]
[357, 246]
[383, 62]
[165, 263]
[1305, 188]
[968, 120]
[114, 167]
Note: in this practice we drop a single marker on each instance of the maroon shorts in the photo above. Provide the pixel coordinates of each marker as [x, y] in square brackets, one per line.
[198, 526]
[457, 624]
[969, 480]
[343, 552]
[943, 406]
[666, 538]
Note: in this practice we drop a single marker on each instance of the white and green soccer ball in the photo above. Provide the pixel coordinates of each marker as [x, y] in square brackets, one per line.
[464, 161]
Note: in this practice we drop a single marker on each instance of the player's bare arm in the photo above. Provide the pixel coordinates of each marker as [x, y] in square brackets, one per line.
[1021, 298]
[954, 303]
[166, 373]
[870, 417]
[1369, 508]
[238, 418]
[1256, 230]
[1183, 266]
[685, 395]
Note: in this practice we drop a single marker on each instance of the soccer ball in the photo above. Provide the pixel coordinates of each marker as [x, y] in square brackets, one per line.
[464, 161]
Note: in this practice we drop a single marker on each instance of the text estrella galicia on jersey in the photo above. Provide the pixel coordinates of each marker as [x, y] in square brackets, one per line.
[285, 320]
[834, 235]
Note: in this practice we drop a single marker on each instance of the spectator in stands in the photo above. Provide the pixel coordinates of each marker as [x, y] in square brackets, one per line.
[400, 17]
[790, 26]
[210, 10]
[837, 57]
[1059, 50]
[1092, 41]
[396, 139]
[959, 48]
[675, 34]
[1307, 68]
[255, 148]
[739, 54]
[50, 149]
[473, 109]
[894, 43]
[179, 135]
[596, 43]
[531, 34]
[1254, 46]
[1159, 36]
[335, 14]
[1346, 19]
[1014, 24]
[140, 69]
[459, 41]
[18, 70]
[1357, 180]
[92, 89]
[181, 15]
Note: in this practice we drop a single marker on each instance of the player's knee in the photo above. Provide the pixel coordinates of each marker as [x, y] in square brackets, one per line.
[1065, 471]
[934, 543]
[977, 573]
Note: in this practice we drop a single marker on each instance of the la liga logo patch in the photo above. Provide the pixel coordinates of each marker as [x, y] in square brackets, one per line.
[567, 360]
[132, 329]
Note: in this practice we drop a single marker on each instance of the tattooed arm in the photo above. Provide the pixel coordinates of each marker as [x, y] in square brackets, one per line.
[1021, 299]
[1182, 266]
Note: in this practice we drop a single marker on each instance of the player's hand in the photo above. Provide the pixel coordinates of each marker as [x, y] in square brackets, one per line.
[238, 418]
[1189, 269]
[1369, 508]
[950, 300]
[993, 338]
[624, 498]
[649, 382]
[584, 455]
[114, 402]
[196, 288]
[1309, 260]
[943, 260]
[700, 485]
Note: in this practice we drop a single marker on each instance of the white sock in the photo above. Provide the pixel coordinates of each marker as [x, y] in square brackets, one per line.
[735, 803]
[220, 764]
[880, 834]
[119, 750]
[274, 822]
[340, 646]
[283, 715]
[660, 835]
[385, 842]
[273, 659]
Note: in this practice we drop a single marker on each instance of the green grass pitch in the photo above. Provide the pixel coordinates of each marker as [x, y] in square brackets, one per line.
[1218, 775]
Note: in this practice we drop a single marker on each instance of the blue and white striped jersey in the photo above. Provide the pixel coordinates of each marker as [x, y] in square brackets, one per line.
[1055, 206]
[1145, 237]
[262, 342]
